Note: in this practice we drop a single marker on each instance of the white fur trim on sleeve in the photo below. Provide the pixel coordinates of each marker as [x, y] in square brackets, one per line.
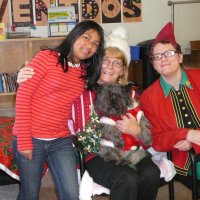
[139, 115]
[106, 120]
[107, 143]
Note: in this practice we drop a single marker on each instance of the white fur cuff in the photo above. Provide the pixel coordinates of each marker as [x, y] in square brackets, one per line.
[106, 120]
[107, 143]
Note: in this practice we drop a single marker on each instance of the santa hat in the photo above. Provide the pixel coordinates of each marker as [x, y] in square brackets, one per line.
[118, 38]
[166, 34]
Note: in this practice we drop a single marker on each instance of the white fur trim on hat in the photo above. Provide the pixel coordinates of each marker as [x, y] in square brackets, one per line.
[118, 38]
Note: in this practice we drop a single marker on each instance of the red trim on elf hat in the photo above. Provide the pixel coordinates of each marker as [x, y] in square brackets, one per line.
[166, 34]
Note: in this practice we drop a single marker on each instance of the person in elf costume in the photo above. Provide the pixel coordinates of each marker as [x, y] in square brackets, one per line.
[171, 103]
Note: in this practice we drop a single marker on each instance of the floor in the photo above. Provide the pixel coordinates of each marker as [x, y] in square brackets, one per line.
[181, 192]
[48, 191]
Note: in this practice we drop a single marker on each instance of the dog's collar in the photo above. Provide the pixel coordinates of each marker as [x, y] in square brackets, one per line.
[107, 120]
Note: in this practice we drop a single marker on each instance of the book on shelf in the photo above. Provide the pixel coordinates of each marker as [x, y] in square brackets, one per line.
[8, 82]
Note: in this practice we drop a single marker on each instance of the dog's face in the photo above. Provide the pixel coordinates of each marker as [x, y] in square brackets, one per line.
[113, 99]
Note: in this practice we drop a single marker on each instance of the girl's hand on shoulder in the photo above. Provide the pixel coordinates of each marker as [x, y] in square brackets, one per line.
[25, 73]
[129, 125]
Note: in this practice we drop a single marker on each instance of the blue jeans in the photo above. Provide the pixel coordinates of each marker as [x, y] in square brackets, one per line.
[60, 158]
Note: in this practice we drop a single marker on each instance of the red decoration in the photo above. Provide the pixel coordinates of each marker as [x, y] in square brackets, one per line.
[13, 28]
[166, 34]
[7, 159]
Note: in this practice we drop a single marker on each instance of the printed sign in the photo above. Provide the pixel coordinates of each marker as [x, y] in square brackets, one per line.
[61, 14]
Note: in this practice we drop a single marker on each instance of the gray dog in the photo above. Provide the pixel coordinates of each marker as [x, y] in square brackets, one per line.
[111, 102]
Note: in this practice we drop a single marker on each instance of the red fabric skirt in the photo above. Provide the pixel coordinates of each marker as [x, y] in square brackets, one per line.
[7, 160]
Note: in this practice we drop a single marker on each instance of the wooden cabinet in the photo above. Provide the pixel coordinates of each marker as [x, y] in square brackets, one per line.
[142, 73]
[135, 73]
[13, 54]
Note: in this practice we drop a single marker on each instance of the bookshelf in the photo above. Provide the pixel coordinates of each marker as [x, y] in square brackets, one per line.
[13, 54]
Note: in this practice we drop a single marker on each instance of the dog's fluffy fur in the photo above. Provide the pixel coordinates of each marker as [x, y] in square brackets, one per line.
[113, 101]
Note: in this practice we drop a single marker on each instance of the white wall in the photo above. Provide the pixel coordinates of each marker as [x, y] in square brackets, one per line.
[156, 13]
[187, 24]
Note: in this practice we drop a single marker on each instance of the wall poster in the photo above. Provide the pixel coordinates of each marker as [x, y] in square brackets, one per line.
[111, 11]
[34, 12]
[90, 10]
[61, 20]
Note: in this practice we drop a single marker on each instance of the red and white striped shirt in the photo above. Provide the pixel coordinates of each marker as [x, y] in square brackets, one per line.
[44, 102]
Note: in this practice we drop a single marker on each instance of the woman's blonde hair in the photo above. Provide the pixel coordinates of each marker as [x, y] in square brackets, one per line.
[114, 52]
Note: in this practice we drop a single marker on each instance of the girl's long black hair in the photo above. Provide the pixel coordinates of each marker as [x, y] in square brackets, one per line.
[93, 64]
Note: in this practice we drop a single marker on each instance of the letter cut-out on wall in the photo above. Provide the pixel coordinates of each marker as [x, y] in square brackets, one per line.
[111, 11]
[90, 9]
[4, 12]
[132, 11]
[22, 13]
[41, 7]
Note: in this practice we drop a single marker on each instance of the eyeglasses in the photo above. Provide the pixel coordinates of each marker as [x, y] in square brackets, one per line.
[167, 54]
[115, 63]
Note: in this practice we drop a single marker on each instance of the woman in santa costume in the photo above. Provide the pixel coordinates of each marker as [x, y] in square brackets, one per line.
[123, 181]
[171, 103]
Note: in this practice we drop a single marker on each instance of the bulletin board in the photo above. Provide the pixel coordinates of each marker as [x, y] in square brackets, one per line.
[35, 12]
[61, 20]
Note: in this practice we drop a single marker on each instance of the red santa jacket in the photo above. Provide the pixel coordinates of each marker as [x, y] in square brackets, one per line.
[129, 141]
[81, 116]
